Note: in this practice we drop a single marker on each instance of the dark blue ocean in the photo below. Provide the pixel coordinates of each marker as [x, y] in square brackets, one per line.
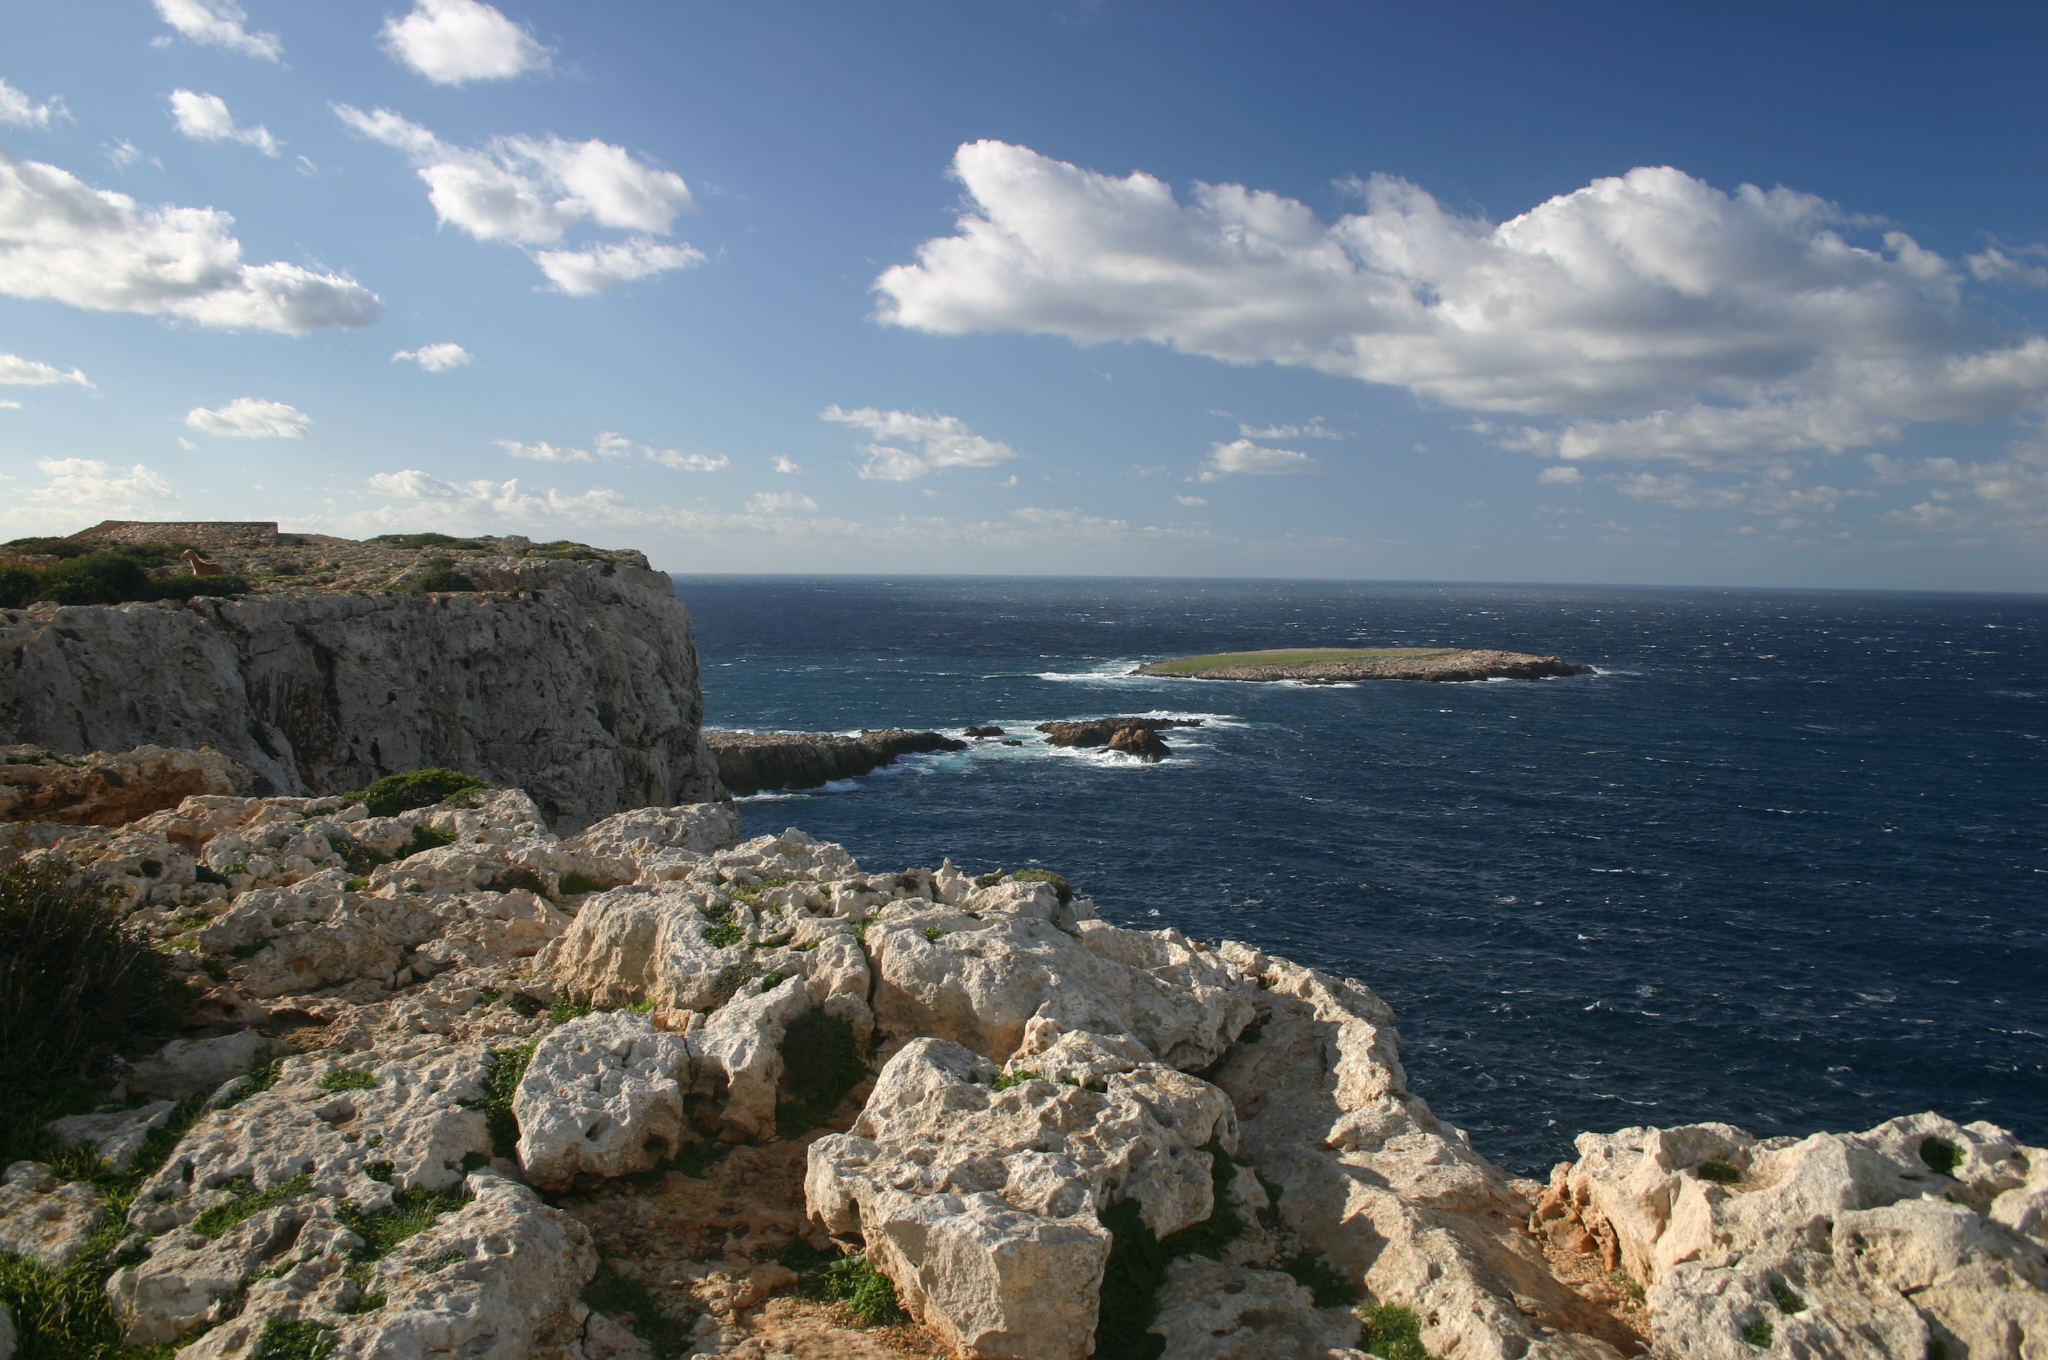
[1780, 862]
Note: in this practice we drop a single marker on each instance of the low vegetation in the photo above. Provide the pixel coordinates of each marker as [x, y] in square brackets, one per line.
[502, 1071]
[114, 575]
[821, 1062]
[867, 1295]
[1391, 1332]
[396, 793]
[1287, 657]
[627, 1301]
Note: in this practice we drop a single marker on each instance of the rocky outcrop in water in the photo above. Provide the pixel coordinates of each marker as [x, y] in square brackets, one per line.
[749, 762]
[1135, 737]
[1389, 663]
[723, 1063]
[573, 678]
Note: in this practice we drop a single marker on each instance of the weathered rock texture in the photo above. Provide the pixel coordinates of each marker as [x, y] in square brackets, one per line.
[652, 1024]
[573, 679]
[1920, 1237]
[103, 789]
[1391, 663]
[751, 761]
[1106, 731]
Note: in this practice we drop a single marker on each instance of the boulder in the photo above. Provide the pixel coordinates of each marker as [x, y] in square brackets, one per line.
[107, 788]
[1212, 1311]
[190, 1067]
[1916, 1237]
[117, 1135]
[601, 1097]
[983, 1205]
[45, 1219]
[1140, 743]
[1101, 731]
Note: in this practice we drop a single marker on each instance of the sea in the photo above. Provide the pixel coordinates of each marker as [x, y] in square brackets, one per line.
[1780, 861]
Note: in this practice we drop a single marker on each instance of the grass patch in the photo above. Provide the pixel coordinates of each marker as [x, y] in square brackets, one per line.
[1787, 1300]
[867, 1295]
[724, 935]
[1719, 1172]
[396, 793]
[294, 1339]
[633, 1305]
[1759, 1333]
[424, 838]
[1331, 1289]
[349, 1079]
[931, 932]
[1392, 1332]
[567, 1008]
[251, 1202]
[751, 892]
[1130, 1287]
[412, 1212]
[1058, 881]
[821, 1062]
[260, 1078]
[432, 541]
[731, 979]
[1286, 657]
[1941, 1156]
[574, 883]
[503, 1068]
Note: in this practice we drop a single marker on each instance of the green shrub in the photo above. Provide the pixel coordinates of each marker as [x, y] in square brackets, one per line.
[1331, 1289]
[431, 541]
[49, 547]
[294, 1339]
[821, 1062]
[868, 1295]
[1059, 883]
[1787, 1300]
[1392, 1332]
[1759, 1333]
[1006, 1080]
[349, 1079]
[574, 883]
[396, 793]
[931, 932]
[17, 586]
[1941, 1155]
[76, 987]
[445, 579]
[632, 1304]
[724, 935]
[502, 1070]
[425, 838]
[1719, 1172]
[567, 1008]
[1130, 1286]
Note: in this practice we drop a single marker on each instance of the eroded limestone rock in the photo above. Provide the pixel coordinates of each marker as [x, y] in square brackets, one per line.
[45, 1219]
[601, 1097]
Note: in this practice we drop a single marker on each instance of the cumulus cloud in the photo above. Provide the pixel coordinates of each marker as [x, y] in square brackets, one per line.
[205, 118]
[940, 442]
[606, 265]
[1243, 456]
[783, 464]
[1561, 476]
[2009, 493]
[543, 452]
[1314, 429]
[1765, 496]
[436, 358]
[28, 373]
[1657, 315]
[779, 502]
[451, 42]
[612, 445]
[250, 418]
[1191, 500]
[19, 110]
[64, 240]
[219, 23]
[688, 462]
[88, 481]
[530, 191]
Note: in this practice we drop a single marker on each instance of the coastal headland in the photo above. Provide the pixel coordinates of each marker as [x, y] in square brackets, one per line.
[1343, 665]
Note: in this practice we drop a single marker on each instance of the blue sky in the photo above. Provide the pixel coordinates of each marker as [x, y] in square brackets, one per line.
[1729, 294]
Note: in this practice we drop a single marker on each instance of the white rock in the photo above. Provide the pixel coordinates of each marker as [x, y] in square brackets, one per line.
[190, 1280]
[601, 1097]
[421, 1116]
[638, 943]
[190, 1067]
[44, 1219]
[1210, 1311]
[117, 1134]
[1838, 1244]
[982, 1205]
[744, 1038]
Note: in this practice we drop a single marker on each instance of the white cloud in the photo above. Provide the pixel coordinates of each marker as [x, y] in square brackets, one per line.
[543, 452]
[606, 265]
[436, 358]
[94, 248]
[11, 405]
[124, 153]
[205, 118]
[1665, 318]
[1767, 496]
[1994, 265]
[2008, 493]
[1561, 476]
[530, 191]
[453, 41]
[1243, 456]
[87, 481]
[28, 373]
[1314, 429]
[21, 111]
[1191, 500]
[250, 418]
[688, 462]
[219, 23]
[779, 502]
[783, 464]
[942, 442]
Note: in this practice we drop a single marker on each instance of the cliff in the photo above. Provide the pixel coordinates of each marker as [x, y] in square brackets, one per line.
[527, 1095]
[565, 671]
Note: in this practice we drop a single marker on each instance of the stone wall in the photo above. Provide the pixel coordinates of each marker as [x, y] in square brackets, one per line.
[576, 680]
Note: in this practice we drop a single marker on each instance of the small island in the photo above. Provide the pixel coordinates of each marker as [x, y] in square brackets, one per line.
[1340, 665]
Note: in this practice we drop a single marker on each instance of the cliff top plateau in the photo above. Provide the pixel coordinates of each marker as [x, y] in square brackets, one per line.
[1341, 665]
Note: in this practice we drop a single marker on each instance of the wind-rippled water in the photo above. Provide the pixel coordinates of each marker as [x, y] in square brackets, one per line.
[1780, 863]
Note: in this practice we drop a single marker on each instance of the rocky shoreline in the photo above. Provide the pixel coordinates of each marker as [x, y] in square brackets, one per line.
[633, 1091]
[1441, 664]
[749, 762]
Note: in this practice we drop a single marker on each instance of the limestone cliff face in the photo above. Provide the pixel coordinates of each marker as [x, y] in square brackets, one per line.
[575, 680]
